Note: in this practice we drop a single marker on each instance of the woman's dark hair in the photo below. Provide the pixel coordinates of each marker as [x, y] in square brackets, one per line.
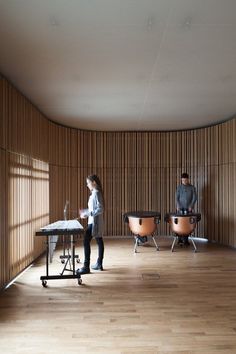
[95, 178]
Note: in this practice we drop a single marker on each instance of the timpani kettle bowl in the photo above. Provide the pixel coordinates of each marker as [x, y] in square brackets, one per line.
[182, 225]
[142, 223]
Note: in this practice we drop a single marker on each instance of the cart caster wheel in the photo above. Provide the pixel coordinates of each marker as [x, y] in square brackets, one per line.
[79, 281]
[44, 283]
[78, 260]
[62, 261]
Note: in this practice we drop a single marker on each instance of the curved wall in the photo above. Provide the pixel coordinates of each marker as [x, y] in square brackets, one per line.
[139, 170]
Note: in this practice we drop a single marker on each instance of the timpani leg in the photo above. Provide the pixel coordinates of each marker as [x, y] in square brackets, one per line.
[173, 244]
[136, 244]
[194, 245]
[153, 238]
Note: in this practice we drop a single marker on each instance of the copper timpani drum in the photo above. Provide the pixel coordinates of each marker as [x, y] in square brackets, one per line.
[182, 225]
[143, 223]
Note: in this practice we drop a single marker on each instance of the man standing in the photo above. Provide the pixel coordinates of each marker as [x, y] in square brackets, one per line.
[186, 197]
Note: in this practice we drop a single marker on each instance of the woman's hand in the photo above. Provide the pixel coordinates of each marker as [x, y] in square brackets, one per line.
[82, 213]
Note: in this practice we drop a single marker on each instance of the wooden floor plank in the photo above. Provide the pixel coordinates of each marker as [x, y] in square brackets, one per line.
[150, 302]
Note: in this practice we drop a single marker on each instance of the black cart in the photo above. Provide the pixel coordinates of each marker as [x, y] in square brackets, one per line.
[69, 230]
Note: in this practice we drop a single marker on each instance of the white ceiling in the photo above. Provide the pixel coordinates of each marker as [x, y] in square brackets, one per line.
[123, 64]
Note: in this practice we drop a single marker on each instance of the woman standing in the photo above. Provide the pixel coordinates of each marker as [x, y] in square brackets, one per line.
[94, 213]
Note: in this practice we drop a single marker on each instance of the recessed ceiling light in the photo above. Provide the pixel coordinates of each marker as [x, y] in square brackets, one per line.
[53, 21]
[150, 23]
[187, 23]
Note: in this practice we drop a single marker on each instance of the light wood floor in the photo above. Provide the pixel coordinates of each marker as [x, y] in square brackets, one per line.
[151, 302]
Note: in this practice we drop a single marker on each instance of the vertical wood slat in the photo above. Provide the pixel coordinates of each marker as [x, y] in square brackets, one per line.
[3, 120]
[39, 135]
[19, 123]
[4, 264]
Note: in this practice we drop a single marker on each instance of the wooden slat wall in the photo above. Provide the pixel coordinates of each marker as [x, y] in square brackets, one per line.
[3, 120]
[3, 181]
[3, 221]
[139, 170]
[63, 155]
[28, 205]
[24, 181]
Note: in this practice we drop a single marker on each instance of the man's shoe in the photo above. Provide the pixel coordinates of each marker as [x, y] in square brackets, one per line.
[97, 267]
[83, 270]
[141, 240]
